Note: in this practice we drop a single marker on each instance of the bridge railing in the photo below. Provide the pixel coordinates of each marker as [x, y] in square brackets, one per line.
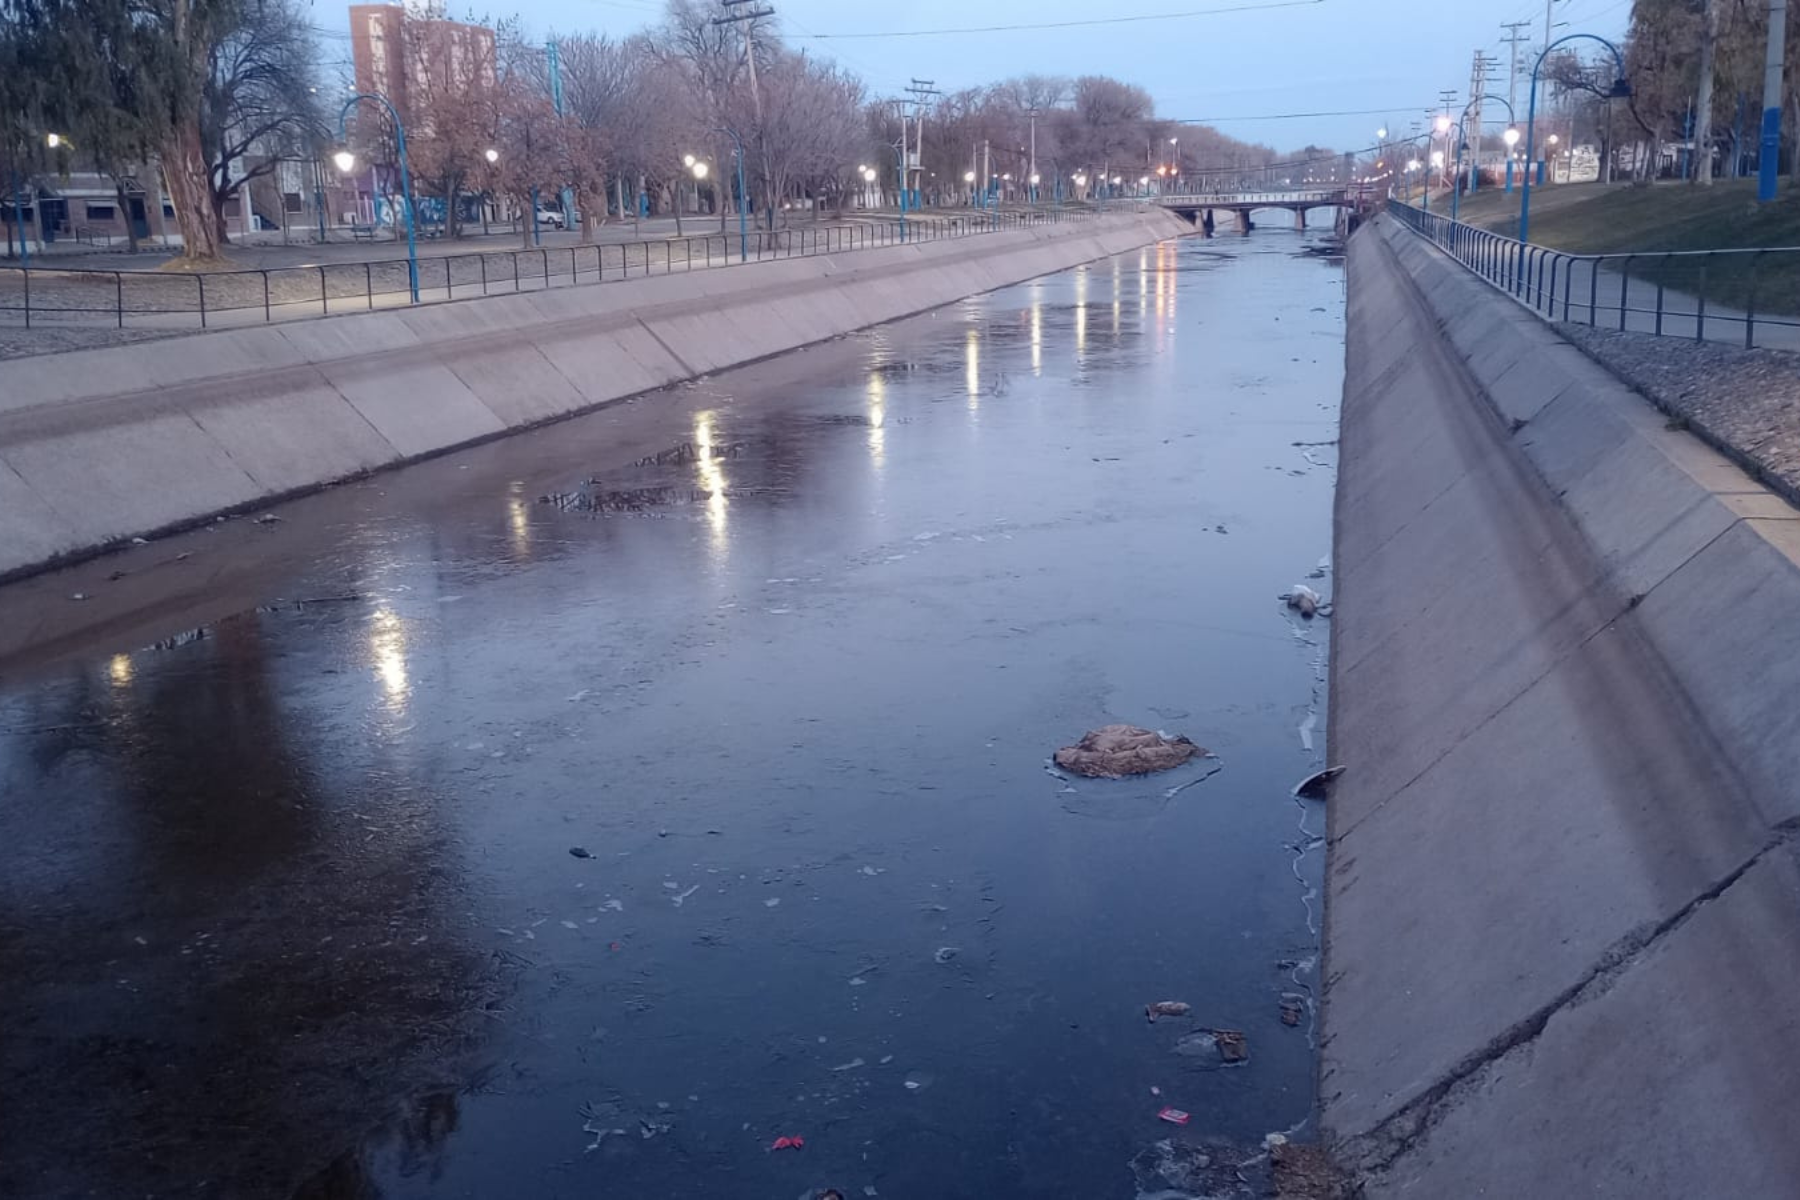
[1750, 296]
[1239, 199]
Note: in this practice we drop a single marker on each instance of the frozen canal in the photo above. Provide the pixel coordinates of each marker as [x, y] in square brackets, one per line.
[579, 814]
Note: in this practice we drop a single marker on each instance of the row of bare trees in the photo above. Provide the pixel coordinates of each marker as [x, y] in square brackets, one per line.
[212, 94]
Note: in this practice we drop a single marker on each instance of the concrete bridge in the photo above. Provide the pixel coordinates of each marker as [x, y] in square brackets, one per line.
[1200, 207]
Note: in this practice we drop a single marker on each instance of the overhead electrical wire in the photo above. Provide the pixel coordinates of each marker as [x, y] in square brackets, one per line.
[1296, 116]
[1076, 24]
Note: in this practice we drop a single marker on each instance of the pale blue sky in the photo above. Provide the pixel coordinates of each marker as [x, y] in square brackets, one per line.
[1238, 70]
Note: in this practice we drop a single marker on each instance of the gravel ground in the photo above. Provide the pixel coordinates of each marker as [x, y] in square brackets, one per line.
[18, 342]
[1745, 402]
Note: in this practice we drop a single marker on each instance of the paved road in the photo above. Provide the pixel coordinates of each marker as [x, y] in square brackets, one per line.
[288, 894]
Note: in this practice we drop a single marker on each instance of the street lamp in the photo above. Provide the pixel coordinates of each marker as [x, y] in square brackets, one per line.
[491, 154]
[53, 140]
[1620, 89]
[345, 161]
[699, 169]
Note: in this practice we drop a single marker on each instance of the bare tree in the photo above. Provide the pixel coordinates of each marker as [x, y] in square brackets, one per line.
[811, 124]
[259, 106]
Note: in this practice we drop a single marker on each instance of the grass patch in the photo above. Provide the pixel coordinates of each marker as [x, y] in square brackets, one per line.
[1626, 219]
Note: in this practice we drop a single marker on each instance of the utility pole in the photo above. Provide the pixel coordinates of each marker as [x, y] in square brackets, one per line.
[1768, 166]
[1446, 97]
[1477, 87]
[1514, 40]
[1031, 165]
[921, 91]
[748, 19]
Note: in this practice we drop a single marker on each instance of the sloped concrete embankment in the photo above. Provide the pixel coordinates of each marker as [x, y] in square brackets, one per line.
[1563, 927]
[101, 445]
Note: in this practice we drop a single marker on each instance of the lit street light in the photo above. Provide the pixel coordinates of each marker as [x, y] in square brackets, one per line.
[699, 170]
[491, 154]
[53, 140]
[346, 161]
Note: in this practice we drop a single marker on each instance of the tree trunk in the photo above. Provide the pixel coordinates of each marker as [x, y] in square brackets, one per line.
[124, 210]
[190, 193]
[1709, 34]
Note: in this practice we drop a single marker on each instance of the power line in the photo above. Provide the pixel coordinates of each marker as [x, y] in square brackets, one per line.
[1300, 116]
[1169, 16]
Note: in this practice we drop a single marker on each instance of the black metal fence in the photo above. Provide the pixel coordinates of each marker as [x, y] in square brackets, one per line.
[1739, 296]
[176, 299]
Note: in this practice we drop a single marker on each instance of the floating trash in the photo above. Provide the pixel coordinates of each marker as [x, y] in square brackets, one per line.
[1115, 751]
[1167, 1008]
[1317, 785]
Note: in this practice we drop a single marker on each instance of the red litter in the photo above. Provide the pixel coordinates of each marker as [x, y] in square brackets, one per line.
[1173, 1116]
[788, 1143]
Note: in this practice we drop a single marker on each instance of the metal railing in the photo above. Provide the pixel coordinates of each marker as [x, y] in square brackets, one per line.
[1704, 295]
[252, 296]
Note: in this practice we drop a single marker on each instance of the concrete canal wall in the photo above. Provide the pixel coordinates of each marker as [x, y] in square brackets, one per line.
[100, 445]
[1563, 922]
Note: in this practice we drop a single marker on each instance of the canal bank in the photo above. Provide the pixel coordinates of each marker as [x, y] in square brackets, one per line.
[1562, 894]
[100, 445]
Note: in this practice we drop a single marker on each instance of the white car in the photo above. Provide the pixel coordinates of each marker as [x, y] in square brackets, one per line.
[552, 217]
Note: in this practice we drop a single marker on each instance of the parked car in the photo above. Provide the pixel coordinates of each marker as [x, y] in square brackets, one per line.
[553, 217]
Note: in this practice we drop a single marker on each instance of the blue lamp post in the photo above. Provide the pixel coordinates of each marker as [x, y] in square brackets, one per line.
[346, 161]
[1620, 89]
[1461, 142]
[900, 160]
[742, 197]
